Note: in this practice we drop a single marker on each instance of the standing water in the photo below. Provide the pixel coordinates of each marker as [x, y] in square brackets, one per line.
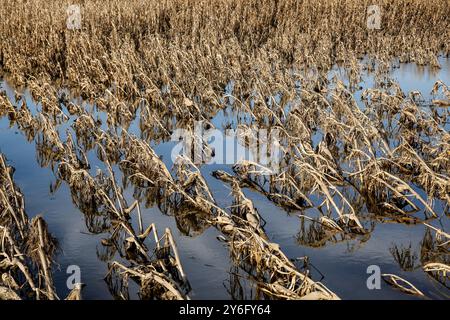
[341, 265]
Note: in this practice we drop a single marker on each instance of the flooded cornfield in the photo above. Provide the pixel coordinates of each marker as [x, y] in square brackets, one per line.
[215, 157]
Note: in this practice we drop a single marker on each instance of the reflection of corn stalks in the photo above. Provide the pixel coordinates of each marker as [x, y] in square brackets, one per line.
[283, 190]
[381, 153]
[314, 172]
[279, 277]
[330, 144]
[27, 249]
[245, 236]
[104, 191]
[101, 199]
[318, 232]
[276, 274]
[435, 254]
[251, 174]
[161, 276]
[405, 257]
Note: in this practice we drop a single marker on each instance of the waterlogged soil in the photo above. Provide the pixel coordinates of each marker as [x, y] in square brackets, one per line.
[342, 267]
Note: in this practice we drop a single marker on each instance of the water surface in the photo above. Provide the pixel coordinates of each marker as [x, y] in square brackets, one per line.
[341, 266]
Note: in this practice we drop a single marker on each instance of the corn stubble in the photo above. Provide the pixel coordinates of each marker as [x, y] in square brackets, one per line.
[168, 64]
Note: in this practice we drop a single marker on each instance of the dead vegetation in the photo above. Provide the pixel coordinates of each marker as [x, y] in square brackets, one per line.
[435, 254]
[161, 275]
[27, 249]
[402, 284]
[345, 164]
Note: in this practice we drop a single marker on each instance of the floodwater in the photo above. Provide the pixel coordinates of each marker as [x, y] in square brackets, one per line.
[342, 266]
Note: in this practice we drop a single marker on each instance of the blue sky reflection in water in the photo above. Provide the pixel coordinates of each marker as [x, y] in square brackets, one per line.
[206, 260]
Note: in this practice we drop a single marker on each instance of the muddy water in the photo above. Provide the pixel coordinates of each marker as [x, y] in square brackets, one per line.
[342, 266]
